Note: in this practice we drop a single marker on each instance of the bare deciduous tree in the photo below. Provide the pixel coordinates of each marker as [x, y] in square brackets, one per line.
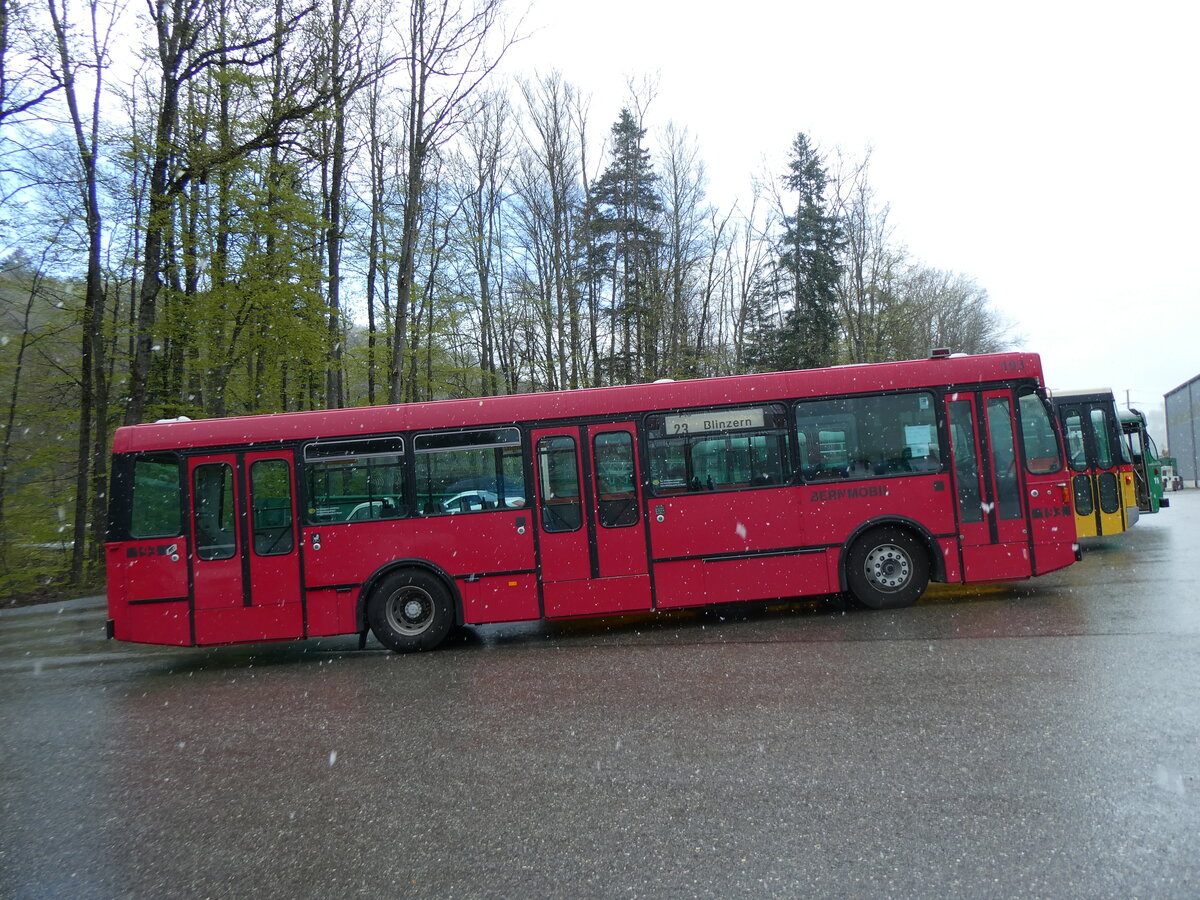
[866, 289]
[23, 78]
[450, 48]
[80, 66]
[684, 226]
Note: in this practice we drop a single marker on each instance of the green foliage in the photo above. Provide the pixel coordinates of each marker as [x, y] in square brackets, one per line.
[38, 415]
[35, 536]
[33, 574]
[249, 342]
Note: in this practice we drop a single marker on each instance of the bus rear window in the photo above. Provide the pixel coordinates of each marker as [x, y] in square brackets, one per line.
[156, 494]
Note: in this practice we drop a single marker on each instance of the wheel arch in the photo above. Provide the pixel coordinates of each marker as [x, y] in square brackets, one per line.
[396, 565]
[937, 563]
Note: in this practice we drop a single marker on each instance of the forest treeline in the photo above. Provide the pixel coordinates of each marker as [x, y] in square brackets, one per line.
[215, 207]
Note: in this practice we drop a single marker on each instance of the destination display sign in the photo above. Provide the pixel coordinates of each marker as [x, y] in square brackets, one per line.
[717, 420]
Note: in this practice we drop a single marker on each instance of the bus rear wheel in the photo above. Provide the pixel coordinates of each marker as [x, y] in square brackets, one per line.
[887, 568]
[410, 610]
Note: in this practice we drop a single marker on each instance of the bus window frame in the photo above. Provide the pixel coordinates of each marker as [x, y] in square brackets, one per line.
[312, 456]
[276, 546]
[616, 509]
[1051, 421]
[505, 438]
[546, 460]
[124, 477]
[777, 423]
[206, 547]
[864, 468]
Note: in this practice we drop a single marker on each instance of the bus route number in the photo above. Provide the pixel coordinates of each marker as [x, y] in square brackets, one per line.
[726, 420]
[1013, 365]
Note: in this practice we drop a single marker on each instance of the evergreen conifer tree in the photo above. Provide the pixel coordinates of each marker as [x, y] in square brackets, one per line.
[624, 205]
[808, 268]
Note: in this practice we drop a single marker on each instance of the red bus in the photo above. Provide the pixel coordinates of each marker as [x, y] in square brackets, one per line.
[409, 520]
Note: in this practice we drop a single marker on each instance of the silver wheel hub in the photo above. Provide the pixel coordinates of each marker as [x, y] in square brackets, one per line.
[410, 611]
[888, 567]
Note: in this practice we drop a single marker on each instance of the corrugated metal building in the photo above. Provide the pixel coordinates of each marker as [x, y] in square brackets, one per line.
[1183, 428]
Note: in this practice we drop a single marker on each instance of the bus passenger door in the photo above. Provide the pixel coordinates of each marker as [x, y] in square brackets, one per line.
[273, 552]
[993, 528]
[245, 586]
[1095, 473]
[592, 533]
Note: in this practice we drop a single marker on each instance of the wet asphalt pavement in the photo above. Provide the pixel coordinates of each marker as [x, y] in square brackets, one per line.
[1038, 739]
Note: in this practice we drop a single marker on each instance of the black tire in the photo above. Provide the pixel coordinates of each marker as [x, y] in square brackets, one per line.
[887, 568]
[410, 610]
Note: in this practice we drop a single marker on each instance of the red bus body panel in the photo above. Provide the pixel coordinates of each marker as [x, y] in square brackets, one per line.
[465, 546]
[148, 591]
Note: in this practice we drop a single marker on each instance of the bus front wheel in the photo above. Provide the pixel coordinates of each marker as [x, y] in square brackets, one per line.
[410, 610]
[887, 568]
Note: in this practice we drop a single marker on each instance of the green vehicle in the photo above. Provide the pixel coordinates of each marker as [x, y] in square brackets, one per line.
[1147, 464]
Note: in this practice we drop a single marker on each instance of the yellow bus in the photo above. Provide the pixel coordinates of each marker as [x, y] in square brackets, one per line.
[1102, 484]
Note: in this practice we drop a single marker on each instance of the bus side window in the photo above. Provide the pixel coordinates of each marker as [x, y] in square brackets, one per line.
[558, 484]
[807, 470]
[616, 493]
[271, 507]
[213, 511]
[355, 480]
[697, 451]
[668, 466]
[469, 471]
[868, 437]
[1000, 436]
[966, 460]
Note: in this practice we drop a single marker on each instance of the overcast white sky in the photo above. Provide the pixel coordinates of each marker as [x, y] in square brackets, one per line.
[1047, 149]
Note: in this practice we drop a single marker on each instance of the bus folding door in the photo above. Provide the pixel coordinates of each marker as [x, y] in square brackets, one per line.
[1096, 477]
[592, 535]
[245, 562]
[989, 486]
